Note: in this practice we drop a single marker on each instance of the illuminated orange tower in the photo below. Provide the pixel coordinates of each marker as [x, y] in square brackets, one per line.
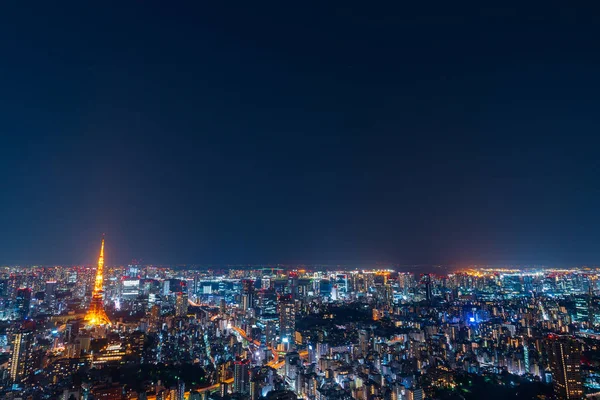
[96, 314]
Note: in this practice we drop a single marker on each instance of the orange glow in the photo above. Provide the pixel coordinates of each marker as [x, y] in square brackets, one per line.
[96, 314]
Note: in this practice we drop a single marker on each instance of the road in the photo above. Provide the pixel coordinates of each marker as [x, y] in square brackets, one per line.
[274, 363]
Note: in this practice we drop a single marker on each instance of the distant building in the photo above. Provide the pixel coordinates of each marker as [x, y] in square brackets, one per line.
[247, 295]
[23, 302]
[427, 285]
[130, 288]
[172, 286]
[581, 309]
[181, 304]
[325, 288]
[50, 293]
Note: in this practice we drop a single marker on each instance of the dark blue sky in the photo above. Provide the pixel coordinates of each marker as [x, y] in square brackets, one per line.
[196, 133]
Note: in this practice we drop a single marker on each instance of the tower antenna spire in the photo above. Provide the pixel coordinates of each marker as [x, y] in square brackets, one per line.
[96, 314]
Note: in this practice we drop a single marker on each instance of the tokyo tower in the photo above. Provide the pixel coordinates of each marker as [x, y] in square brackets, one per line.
[96, 314]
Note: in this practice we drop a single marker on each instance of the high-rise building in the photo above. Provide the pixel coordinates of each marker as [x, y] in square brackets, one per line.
[267, 302]
[292, 365]
[325, 288]
[223, 371]
[133, 270]
[287, 316]
[564, 356]
[241, 376]
[20, 354]
[415, 394]
[130, 288]
[23, 302]
[96, 314]
[255, 387]
[270, 331]
[180, 390]
[247, 294]
[173, 393]
[398, 391]
[364, 341]
[50, 294]
[181, 304]
[427, 284]
[582, 309]
[154, 317]
[4, 284]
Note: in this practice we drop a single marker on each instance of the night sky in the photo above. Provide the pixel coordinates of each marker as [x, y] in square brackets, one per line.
[280, 133]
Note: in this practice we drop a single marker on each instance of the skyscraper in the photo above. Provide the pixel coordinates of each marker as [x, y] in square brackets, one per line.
[364, 341]
[292, 365]
[20, 354]
[247, 294]
[415, 394]
[180, 390]
[96, 314]
[427, 284]
[154, 317]
[241, 376]
[582, 308]
[181, 304]
[50, 293]
[23, 302]
[564, 355]
[287, 316]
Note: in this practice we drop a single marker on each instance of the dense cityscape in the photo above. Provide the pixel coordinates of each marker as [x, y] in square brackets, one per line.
[274, 332]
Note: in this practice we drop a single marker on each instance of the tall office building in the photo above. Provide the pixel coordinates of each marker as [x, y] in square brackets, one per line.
[130, 288]
[427, 283]
[415, 394]
[50, 293]
[255, 387]
[287, 316]
[292, 366]
[181, 304]
[364, 341]
[23, 302]
[4, 284]
[325, 288]
[267, 302]
[180, 390]
[564, 356]
[247, 294]
[20, 355]
[154, 319]
[134, 270]
[241, 376]
[582, 308]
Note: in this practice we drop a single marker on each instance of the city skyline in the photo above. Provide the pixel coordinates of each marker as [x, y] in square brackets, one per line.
[261, 333]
